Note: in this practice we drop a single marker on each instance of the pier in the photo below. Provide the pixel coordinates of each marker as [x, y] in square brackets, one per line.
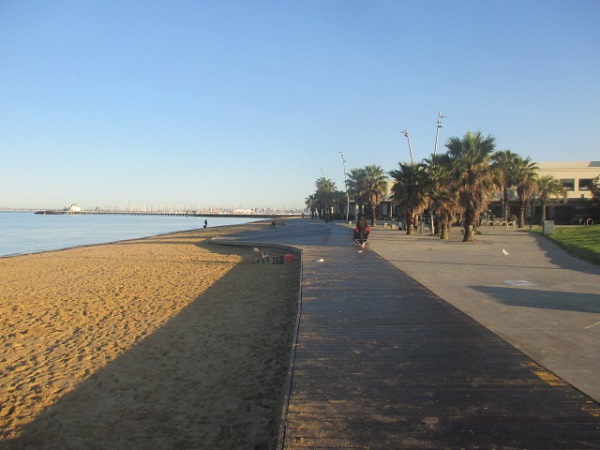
[162, 213]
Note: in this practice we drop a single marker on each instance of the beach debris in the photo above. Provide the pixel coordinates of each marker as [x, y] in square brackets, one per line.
[360, 251]
[505, 252]
[320, 260]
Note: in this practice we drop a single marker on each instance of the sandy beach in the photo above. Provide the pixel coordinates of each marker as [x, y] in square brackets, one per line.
[160, 343]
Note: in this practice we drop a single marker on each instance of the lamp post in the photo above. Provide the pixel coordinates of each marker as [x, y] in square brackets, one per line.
[437, 132]
[412, 160]
[346, 184]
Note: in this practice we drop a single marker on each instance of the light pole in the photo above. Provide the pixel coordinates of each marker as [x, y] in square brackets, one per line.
[412, 160]
[437, 132]
[346, 184]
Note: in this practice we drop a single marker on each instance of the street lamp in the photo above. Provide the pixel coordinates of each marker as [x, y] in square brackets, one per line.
[346, 184]
[437, 132]
[412, 160]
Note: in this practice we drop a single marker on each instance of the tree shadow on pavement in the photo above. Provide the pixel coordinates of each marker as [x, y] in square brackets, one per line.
[544, 299]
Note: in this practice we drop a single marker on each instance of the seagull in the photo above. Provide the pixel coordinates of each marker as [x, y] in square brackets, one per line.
[505, 252]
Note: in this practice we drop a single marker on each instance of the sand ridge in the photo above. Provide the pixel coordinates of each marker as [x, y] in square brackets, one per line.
[164, 342]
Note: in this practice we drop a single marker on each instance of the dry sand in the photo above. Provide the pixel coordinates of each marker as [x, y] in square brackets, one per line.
[161, 343]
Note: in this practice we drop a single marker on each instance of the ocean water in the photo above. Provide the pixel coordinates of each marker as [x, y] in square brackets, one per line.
[26, 232]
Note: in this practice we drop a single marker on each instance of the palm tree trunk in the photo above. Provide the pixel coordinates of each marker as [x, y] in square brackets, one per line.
[522, 215]
[543, 212]
[505, 203]
[445, 229]
[543, 217]
[409, 222]
[469, 220]
[373, 216]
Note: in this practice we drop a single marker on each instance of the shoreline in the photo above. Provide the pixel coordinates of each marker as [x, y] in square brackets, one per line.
[159, 342]
[200, 228]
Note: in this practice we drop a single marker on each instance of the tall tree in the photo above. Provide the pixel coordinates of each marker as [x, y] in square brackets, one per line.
[442, 192]
[340, 201]
[595, 201]
[355, 184]
[504, 163]
[311, 204]
[526, 178]
[549, 187]
[410, 191]
[374, 188]
[325, 195]
[471, 159]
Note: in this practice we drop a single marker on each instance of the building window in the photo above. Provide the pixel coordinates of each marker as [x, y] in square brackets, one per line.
[568, 183]
[585, 184]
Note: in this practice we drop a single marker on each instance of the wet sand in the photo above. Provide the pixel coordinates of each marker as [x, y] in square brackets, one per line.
[160, 343]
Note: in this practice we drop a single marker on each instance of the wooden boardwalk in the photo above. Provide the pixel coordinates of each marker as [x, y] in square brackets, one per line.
[383, 363]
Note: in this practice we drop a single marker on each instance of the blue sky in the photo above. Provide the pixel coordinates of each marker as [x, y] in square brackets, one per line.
[247, 103]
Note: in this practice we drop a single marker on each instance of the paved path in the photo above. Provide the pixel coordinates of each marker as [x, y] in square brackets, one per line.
[541, 300]
[383, 362]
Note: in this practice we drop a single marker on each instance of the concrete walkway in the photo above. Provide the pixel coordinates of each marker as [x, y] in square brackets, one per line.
[381, 361]
[541, 300]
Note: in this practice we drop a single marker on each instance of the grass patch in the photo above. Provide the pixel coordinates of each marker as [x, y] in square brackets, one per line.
[582, 242]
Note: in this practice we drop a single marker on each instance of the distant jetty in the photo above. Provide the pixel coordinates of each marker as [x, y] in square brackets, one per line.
[160, 213]
[73, 209]
[51, 211]
[77, 210]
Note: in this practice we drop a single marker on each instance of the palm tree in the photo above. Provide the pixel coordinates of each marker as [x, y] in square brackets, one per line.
[374, 188]
[526, 178]
[325, 195]
[340, 201]
[311, 204]
[445, 208]
[355, 184]
[548, 187]
[410, 191]
[442, 193]
[595, 201]
[505, 176]
[470, 159]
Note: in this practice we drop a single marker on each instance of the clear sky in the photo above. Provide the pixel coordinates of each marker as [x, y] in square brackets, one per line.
[246, 103]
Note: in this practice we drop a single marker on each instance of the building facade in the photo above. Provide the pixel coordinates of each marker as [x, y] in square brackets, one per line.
[576, 177]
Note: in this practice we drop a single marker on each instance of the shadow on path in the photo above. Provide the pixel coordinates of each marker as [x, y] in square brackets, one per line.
[544, 299]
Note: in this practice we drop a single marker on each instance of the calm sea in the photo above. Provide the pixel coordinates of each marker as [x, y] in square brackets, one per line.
[26, 232]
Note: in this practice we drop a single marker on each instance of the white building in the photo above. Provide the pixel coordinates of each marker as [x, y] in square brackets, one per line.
[576, 176]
